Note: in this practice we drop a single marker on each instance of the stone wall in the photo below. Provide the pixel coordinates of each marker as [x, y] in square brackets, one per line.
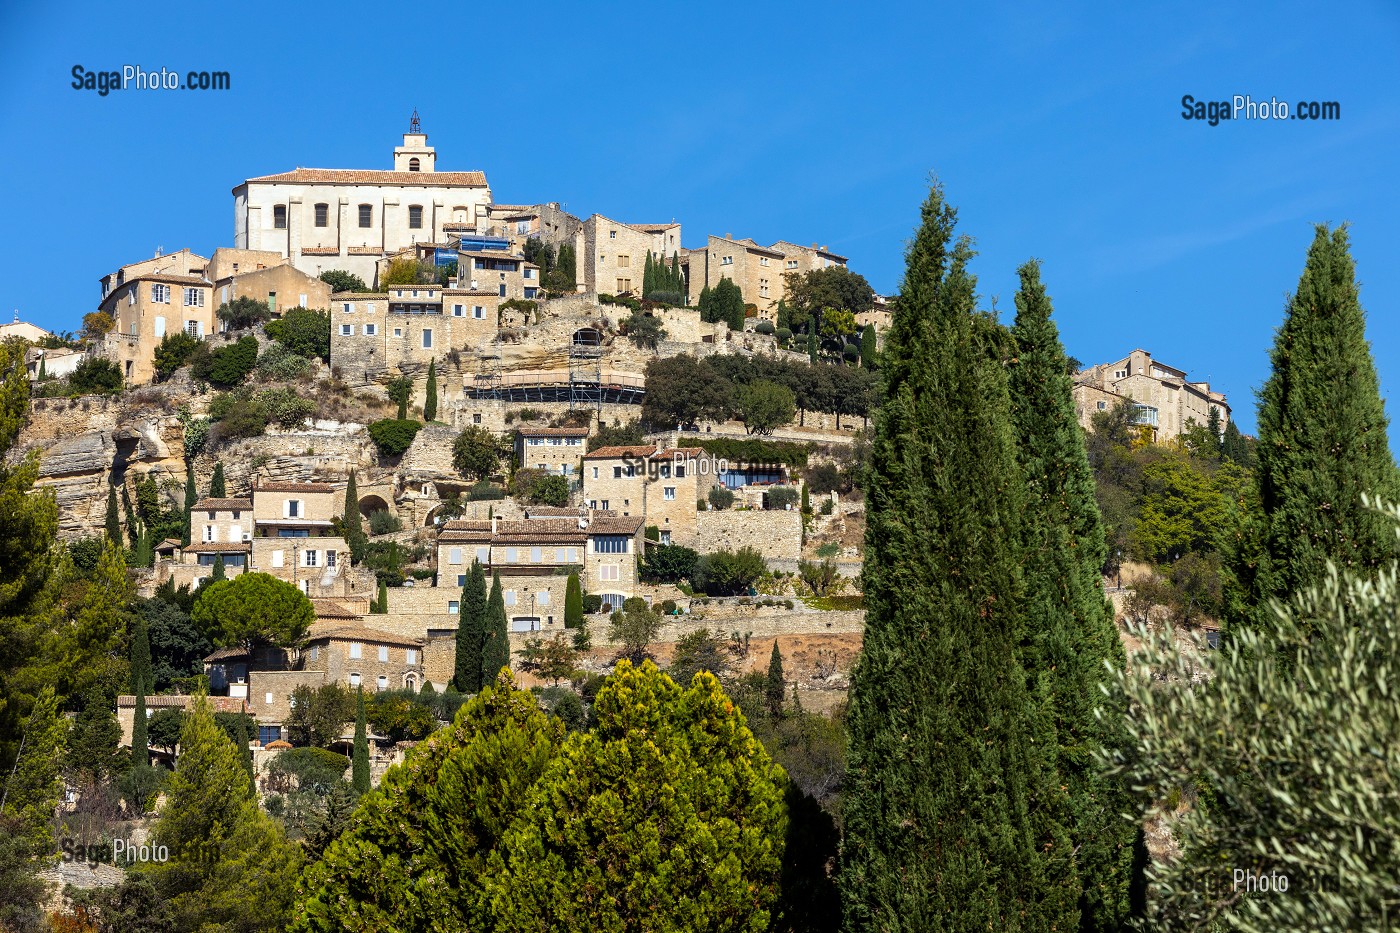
[774, 534]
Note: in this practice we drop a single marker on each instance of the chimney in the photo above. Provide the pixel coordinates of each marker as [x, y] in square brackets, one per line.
[729, 236]
[494, 519]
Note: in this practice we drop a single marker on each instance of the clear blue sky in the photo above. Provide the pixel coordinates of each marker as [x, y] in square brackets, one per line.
[1056, 128]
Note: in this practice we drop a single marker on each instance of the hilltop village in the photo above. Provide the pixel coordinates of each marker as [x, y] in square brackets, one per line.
[391, 376]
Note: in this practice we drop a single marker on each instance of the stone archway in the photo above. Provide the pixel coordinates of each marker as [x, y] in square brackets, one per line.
[371, 504]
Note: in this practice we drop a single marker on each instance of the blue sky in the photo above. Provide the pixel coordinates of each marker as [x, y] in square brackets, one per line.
[1055, 127]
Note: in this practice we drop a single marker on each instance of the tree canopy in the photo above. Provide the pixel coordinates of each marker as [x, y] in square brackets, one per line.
[253, 609]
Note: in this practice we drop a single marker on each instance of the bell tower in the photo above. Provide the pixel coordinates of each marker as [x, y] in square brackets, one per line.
[415, 155]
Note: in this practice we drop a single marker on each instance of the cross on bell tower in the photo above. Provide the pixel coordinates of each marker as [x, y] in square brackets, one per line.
[413, 125]
[415, 155]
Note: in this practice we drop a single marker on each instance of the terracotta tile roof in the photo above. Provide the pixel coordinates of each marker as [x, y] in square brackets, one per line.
[169, 544]
[219, 547]
[330, 609]
[778, 246]
[613, 453]
[364, 251]
[510, 207]
[360, 633]
[344, 176]
[220, 704]
[654, 228]
[223, 505]
[491, 254]
[535, 512]
[320, 250]
[360, 296]
[294, 487]
[168, 277]
[552, 432]
[479, 292]
[615, 524]
[223, 654]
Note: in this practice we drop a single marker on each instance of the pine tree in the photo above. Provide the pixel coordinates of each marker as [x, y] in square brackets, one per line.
[1072, 641]
[775, 687]
[430, 400]
[359, 766]
[352, 523]
[573, 603]
[217, 486]
[191, 496]
[140, 744]
[495, 643]
[219, 571]
[245, 748]
[32, 789]
[941, 780]
[471, 632]
[143, 678]
[114, 525]
[1322, 444]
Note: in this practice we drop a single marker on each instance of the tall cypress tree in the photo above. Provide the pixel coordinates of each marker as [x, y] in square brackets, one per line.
[383, 607]
[140, 744]
[677, 283]
[359, 765]
[867, 347]
[471, 632]
[191, 496]
[114, 525]
[217, 486]
[495, 643]
[648, 277]
[573, 603]
[133, 527]
[143, 680]
[220, 573]
[430, 394]
[352, 523]
[775, 686]
[1071, 633]
[1322, 443]
[942, 779]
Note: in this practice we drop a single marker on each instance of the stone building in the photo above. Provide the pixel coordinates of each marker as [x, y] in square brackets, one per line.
[757, 270]
[348, 219]
[23, 330]
[807, 258]
[407, 327]
[1164, 399]
[356, 656]
[661, 484]
[148, 299]
[266, 277]
[506, 274]
[126, 709]
[556, 450]
[293, 538]
[611, 255]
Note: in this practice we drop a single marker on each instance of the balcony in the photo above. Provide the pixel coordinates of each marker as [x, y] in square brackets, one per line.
[1143, 416]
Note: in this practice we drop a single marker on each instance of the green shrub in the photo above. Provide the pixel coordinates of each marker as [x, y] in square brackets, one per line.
[226, 366]
[721, 498]
[828, 507]
[238, 414]
[753, 450]
[285, 407]
[763, 327]
[393, 436]
[305, 333]
[824, 478]
[95, 375]
[277, 362]
[310, 766]
[667, 563]
[484, 491]
[780, 497]
[729, 573]
[341, 281]
[783, 335]
[174, 351]
[243, 313]
[384, 522]
[592, 602]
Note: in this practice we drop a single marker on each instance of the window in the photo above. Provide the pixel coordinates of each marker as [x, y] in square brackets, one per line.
[209, 534]
[617, 472]
[461, 579]
[371, 330]
[279, 217]
[476, 418]
[792, 263]
[595, 472]
[536, 555]
[457, 310]
[415, 217]
[267, 698]
[610, 544]
[1103, 405]
[503, 287]
[398, 331]
[355, 679]
[427, 339]
[383, 654]
[277, 558]
[160, 293]
[670, 493]
[680, 471]
[355, 649]
[612, 234]
[311, 558]
[454, 555]
[382, 682]
[510, 597]
[330, 558]
[763, 261]
[413, 164]
[194, 298]
[366, 215]
[483, 555]
[322, 214]
[605, 505]
[608, 573]
[624, 285]
[570, 555]
[293, 508]
[726, 260]
[194, 328]
[411, 656]
[512, 555]
[624, 261]
[347, 330]
[763, 288]
[478, 312]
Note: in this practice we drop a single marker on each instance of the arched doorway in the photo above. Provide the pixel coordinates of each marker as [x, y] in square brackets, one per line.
[371, 504]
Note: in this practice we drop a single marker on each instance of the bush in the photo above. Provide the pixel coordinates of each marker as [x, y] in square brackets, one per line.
[476, 453]
[783, 335]
[278, 362]
[393, 436]
[95, 375]
[780, 497]
[753, 450]
[237, 414]
[540, 487]
[341, 281]
[174, 351]
[592, 602]
[226, 366]
[828, 507]
[305, 333]
[763, 327]
[285, 407]
[721, 498]
[729, 573]
[824, 478]
[667, 563]
[243, 313]
[485, 491]
[384, 522]
[310, 766]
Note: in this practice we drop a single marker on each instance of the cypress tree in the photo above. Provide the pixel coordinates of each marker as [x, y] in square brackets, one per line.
[219, 571]
[867, 347]
[942, 779]
[383, 598]
[495, 642]
[430, 394]
[775, 687]
[352, 523]
[677, 282]
[471, 632]
[133, 527]
[573, 603]
[43, 370]
[359, 765]
[812, 346]
[1322, 443]
[705, 305]
[140, 744]
[142, 556]
[217, 486]
[191, 496]
[1072, 633]
[403, 405]
[143, 680]
[245, 748]
[114, 525]
[648, 277]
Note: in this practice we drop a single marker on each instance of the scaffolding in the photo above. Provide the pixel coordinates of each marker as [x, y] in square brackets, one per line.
[585, 375]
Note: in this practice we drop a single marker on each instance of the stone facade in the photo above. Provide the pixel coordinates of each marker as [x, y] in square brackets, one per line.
[292, 538]
[660, 484]
[775, 534]
[324, 219]
[1166, 400]
[757, 270]
[405, 328]
[506, 275]
[282, 287]
[360, 656]
[612, 255]
[555, 450]
[146, 305]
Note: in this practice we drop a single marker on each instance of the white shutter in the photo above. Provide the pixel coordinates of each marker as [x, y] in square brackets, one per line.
[160, 326]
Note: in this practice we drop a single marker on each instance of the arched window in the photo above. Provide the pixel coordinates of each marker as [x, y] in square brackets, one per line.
[415, 217]
[366, 215]
[413, 164]
[322, 214]
[279, 216]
